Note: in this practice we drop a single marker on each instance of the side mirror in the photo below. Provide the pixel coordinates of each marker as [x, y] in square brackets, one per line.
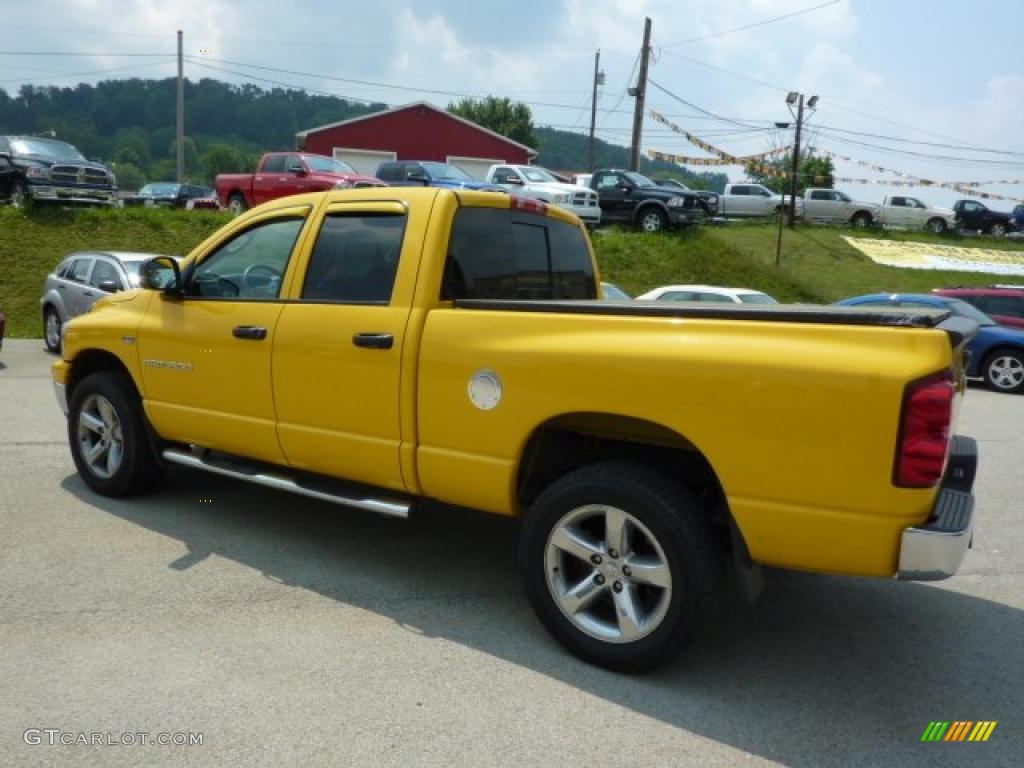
[625, 186]
[417, 176]
[515, 180]
[297, 169]
[109, 286]
[162, 273]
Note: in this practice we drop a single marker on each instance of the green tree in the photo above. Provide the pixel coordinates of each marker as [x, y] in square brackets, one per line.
[224, 158]
[815, 171]
[501, 115]
[129, 176]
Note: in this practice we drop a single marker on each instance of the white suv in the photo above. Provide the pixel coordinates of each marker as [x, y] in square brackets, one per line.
[711, 293]
[531, 181]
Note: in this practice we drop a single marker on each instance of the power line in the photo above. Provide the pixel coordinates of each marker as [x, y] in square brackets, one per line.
[699, 109]
[68, 75]
[756, 24]
[923, 143]
[920, 155]
[94, 55]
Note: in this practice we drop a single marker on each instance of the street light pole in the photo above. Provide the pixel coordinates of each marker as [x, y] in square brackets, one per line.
[796, 162]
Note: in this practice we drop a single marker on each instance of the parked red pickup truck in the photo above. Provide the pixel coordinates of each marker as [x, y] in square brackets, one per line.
[280, 174]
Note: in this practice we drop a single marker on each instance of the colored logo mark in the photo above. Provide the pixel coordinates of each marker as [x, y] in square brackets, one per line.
[959, 730]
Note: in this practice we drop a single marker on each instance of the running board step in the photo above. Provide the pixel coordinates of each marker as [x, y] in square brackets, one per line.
[316, 488]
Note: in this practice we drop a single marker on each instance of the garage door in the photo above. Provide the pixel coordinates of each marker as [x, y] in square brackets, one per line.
[364, 160]
[477, 167]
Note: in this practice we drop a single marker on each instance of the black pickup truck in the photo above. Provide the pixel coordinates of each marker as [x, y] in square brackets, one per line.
[628, 197]
[970, 214]
[55, 171]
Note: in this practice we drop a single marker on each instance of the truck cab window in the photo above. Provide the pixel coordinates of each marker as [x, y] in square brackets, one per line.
[355, 259]
[274, 164]
[249, 266]
[497, 254]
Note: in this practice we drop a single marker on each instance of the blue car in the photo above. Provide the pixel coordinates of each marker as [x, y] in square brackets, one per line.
[427, 173]
[996, 354]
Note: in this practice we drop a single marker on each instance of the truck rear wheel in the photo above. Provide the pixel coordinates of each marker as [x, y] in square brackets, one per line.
[236, 204]
[621, 565]
[108, 435]
[861, 220]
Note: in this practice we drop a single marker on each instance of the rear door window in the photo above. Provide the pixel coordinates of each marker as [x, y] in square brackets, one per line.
[79, 271]
[105, 272]
[496, 253]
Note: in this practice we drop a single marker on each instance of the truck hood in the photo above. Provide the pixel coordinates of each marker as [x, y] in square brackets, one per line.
[552, 186]
[351, 178]
[49, 162]
[486, 186]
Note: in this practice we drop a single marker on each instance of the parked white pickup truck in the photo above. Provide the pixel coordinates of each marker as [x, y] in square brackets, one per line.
[834, 207]
[531, 181]
[911, 213]
[753, 200]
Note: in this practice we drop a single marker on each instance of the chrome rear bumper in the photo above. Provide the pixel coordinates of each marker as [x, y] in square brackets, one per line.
[935, 550]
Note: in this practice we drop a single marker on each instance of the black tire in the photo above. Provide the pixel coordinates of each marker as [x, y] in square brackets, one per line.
[19, 195]
[1004, 371]
[138, 468]
[680, 527]
[861, 220]
[997, 229]
[937, 226]
[237, 204]
[651, 219]
[51, 335]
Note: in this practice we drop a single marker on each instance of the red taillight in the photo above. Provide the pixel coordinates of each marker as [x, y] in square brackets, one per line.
[529, 205]
[924, 431]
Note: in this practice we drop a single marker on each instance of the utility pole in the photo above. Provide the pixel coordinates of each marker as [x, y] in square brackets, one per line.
[598, 80]
[641, 94]
[796, 162]
[181, 114]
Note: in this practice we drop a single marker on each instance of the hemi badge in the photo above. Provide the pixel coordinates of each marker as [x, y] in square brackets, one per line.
[128, 339]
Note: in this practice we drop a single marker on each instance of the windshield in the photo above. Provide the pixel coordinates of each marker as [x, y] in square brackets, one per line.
[640, 180]
[58, 150]
[165, 189]
[327, 164]
[967, 310]
[756, 298]
[537, 174]
[446, 171]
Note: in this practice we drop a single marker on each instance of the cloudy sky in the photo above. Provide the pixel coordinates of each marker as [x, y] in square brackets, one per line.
[918, 86]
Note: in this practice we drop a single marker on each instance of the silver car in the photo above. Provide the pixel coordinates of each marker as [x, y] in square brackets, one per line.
[79, 280]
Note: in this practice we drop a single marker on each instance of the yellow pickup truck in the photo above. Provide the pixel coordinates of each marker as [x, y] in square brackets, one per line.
[383, 346]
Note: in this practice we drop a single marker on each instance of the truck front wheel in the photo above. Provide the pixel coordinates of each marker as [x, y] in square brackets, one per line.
[997, 229]
[621, 565]
[937, 226]
[108, 435]
[652, 220]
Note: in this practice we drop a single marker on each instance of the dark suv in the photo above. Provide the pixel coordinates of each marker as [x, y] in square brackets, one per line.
[56, 171]
[1003, 303]
[427, 173]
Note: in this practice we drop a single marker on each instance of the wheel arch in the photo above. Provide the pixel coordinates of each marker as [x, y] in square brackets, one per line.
[92, 361]
[572, 440]
[645, 204]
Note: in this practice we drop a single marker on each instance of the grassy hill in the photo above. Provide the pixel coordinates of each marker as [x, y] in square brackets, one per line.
[817, 265]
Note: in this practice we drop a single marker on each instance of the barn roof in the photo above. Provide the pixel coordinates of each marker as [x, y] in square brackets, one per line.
[426, 105]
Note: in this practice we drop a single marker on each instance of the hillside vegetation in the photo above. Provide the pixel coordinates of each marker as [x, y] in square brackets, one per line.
[817, 265]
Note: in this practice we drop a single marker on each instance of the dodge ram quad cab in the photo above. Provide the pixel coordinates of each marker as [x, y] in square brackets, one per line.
[970, 214]
[754, 200]
[379, 347]
[832, 206]
[281, 174]
[627, 197]
[56, 172]
[910, 213]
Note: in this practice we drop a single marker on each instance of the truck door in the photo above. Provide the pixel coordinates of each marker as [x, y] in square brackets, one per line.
[339, 346]
[267, 179]
[614, 196]
[206, 356]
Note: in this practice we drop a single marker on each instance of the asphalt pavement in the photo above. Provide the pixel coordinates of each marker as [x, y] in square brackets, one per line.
[288, 632]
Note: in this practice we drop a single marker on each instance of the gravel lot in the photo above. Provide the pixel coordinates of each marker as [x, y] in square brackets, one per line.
[290, 632]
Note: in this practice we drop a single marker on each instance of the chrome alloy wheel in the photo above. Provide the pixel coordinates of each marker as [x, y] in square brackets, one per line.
[607, 573]
[651, 222]
[1006, 372]
[100, 437]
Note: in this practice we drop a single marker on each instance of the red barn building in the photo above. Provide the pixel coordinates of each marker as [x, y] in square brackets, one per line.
[418, 131]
